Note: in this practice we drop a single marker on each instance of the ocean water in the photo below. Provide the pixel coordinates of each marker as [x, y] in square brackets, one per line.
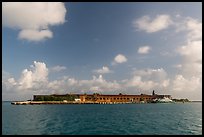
[106, 119]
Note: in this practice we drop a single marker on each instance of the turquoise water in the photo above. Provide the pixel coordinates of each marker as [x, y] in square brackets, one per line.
[97, 119]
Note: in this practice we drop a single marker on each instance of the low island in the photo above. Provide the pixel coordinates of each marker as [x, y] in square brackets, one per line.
[97, 98]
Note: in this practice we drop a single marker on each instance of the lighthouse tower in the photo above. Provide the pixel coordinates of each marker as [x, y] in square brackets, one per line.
[153, 93]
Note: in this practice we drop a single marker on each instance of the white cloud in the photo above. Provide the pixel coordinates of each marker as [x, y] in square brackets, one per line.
[12, 81]
[165, 83]
[191, 51]
[38, 73]
[195, 28]
[191, 54]
[35, 35]
[103, 70]
[192, 26]
[100, 84]
[95, 89]
[120, 58]
[35, 81]
[58, 68]
[153, 74]
[147, 79]
[159, 23]
[138, 83]
[187, 87]
[63, 85]
[33, 19]
[144, 49]
[26, 80]
[189, 82]
[97, 84]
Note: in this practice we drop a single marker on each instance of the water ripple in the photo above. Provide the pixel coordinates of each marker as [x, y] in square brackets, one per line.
[120, 119]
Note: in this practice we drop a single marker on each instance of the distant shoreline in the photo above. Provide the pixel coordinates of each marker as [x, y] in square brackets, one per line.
[196, 101]
[19, 100]
[75, 102]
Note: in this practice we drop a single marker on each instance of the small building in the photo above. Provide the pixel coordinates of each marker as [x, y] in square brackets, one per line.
[77, 99]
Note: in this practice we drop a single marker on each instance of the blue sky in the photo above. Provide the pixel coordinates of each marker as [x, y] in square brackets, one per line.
[88, 36]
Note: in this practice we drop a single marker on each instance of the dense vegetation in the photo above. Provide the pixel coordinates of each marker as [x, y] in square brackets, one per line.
[56, 98]
[181, 100]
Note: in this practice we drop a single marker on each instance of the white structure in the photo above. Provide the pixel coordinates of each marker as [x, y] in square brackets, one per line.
[164, 100]
[77, 99]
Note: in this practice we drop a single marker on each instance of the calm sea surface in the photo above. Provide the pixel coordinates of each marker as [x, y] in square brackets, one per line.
[98, 119]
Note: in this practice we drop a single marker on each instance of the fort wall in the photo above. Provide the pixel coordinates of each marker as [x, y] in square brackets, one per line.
[100, 98]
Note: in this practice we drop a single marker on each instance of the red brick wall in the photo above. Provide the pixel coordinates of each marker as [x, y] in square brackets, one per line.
[116, 98]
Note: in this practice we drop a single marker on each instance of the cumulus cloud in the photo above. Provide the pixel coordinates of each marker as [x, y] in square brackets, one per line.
[96, 84]
[101, 84]
[195, 29]
[120, 58]
[153, 25]
[184, 87]
[189, 81]
[144, 49]
[138, 83]
[103, 70]
[34, 80]
[64, 85]
[35, 35]
[33, 19]
[165, 83]
[36, 74]
[153, 74]
[180, 83]
[58, 68]
[148, 79]
[192, 26]
[191, 51]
